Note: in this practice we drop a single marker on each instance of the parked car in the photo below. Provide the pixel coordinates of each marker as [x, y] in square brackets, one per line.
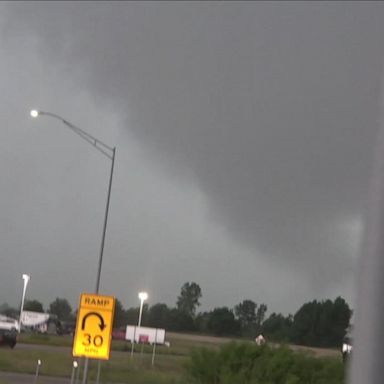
[8, 337]
[8, 331]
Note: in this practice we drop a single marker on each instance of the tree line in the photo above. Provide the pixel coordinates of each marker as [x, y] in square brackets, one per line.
[317, 323]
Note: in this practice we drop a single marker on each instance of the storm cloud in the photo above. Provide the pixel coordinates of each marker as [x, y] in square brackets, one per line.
[260, 116]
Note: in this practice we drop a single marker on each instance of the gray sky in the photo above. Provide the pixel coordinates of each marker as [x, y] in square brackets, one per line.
[244, 136]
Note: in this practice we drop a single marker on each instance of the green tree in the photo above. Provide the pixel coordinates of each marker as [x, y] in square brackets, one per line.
[305, 324]
[277, 327]
[260, 315]
[120, 317]
[158, 316]
[321, 324]
[201, 321]
[6, 310]
[246, 313]
[341, 317]
[132, 315]
[189, 298]
[222, 322]
[61, 308]
[181, 321]
[33, 305]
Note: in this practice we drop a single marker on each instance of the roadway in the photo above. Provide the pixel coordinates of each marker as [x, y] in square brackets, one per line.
[22, 378]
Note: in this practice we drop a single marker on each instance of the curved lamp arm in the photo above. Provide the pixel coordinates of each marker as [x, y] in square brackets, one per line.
[98, 144]
[106, 151]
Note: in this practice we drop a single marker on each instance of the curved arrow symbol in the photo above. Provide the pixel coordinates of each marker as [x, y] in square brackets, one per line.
[102, 325]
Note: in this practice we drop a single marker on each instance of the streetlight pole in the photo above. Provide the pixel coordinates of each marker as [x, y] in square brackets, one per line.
[142, 296]
[105, 220]
[26, 279]
[110, 153]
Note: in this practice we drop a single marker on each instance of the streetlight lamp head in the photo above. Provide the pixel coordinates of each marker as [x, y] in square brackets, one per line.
[34, 113]
[143, 296]
[75, 365]
[26, 277]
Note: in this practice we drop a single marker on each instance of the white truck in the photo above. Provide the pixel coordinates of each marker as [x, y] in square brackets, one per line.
[35, 320]
[145, 335]
[9, 324]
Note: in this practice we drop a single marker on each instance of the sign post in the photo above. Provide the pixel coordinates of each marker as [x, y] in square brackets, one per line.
[94, 326]
[154, 349]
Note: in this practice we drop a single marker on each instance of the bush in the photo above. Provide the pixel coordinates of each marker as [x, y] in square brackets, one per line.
[241, 363]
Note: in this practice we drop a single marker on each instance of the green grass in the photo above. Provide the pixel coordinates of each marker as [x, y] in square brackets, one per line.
[169, 365]
[53, 340]
[120, 367]
[178, 347]
[245, 363]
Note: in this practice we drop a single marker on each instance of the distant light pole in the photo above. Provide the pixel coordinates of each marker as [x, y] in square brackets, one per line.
[108, 152]
[142, 296]
[74, 367]
[38, 364]
[26, 279]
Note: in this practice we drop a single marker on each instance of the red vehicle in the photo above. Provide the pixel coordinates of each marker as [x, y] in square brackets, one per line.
[118, 334]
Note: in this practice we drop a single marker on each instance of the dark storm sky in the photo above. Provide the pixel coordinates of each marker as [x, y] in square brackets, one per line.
[244, 134]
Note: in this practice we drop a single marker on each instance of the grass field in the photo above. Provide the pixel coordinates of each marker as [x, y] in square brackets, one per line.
[168, 367]
[180, 343]
[120, 367]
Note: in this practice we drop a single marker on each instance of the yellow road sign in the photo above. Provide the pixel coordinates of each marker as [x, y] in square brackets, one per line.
[94, 326]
